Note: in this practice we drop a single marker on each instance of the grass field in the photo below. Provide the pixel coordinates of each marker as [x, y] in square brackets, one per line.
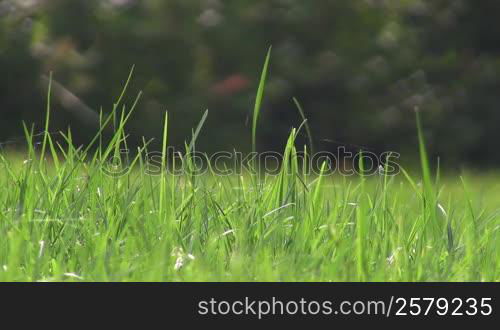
[62, 218]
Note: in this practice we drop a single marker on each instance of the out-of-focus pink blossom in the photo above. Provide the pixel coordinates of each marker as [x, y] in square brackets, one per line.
[231, 85]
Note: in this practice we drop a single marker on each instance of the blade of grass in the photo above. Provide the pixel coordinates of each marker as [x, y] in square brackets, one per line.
[306, 122]
[47, 119]
[258, 99]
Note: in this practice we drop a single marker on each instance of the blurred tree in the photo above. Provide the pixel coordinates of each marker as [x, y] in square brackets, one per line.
[459, 44]
[359, 68]
[19, 71]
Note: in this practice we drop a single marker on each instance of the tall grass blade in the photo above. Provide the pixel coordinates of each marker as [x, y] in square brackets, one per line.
[258, 99]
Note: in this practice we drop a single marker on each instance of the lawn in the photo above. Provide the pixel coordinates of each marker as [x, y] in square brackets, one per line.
[77, 223]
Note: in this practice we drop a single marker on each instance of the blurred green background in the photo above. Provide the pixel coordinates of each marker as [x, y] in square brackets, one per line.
[359, 68]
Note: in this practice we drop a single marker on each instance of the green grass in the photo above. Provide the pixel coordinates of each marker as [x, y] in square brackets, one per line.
[62, 218]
